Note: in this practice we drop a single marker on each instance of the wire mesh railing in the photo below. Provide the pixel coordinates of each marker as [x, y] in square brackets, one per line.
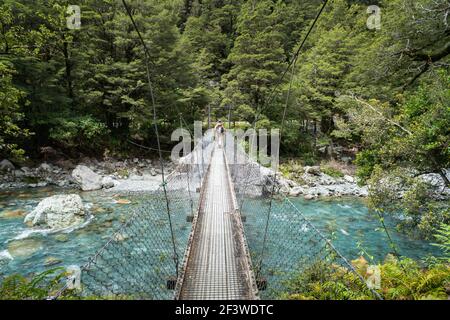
[291, 257]
[143, 257]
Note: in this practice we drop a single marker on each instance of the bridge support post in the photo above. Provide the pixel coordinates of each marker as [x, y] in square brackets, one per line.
[261, 283]
[171, 283]
[243, 216]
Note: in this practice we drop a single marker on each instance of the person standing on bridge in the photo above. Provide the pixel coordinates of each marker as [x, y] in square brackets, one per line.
[219, 131]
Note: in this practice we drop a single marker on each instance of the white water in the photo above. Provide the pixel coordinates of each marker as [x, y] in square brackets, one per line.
[30, 232]
[5, 255]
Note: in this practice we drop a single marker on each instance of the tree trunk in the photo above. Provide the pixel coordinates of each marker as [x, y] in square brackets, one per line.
[444, 177]
[68, 65]
[330, 150]
[327, 125]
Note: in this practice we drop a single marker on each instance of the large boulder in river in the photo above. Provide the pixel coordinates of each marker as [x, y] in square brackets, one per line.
[57, 212]
[86, 178]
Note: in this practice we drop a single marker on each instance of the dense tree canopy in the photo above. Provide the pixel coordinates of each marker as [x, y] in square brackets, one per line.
[383, 92]
[83, 84]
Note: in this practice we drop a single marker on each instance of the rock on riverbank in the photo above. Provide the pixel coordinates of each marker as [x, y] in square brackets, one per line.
[88, 175]
[144, 175]
[87, 179]
[313, 184]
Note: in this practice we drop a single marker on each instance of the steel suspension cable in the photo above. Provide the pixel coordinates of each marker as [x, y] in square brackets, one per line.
[191, 200]
[155, 125]
[291, 62]
[269, 211]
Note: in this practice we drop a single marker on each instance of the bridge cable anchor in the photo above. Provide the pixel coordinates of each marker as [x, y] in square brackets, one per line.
[261, 284]
[171, 283]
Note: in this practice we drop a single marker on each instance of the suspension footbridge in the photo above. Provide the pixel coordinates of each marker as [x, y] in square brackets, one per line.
[217, 228]
[217, 264]
[212, 231]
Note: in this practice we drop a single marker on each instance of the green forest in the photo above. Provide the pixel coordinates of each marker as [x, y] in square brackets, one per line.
[379, 92]
[385, 92]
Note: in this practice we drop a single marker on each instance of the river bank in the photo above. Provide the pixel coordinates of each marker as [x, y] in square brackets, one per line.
[311, 182]
[89, 175]
[144, 175]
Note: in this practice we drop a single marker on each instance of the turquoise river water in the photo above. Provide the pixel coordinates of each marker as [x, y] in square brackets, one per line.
[347, 221]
